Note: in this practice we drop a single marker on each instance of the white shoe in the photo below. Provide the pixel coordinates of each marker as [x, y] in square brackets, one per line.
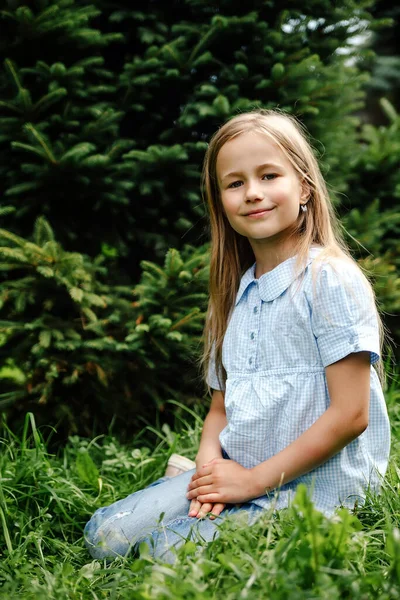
[178, 464]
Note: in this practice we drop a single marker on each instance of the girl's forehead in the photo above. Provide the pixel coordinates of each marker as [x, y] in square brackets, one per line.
[249, 147]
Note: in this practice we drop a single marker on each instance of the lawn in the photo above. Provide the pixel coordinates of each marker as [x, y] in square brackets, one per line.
[45, 500]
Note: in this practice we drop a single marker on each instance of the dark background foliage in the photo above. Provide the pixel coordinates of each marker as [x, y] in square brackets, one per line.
[105, 113]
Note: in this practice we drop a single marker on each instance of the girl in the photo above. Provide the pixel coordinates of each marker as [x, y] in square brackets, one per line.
[291, 335]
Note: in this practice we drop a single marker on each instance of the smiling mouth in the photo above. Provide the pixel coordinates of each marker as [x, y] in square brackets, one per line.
[259, 213]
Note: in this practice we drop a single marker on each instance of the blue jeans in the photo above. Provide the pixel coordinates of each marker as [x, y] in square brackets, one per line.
[157, 515]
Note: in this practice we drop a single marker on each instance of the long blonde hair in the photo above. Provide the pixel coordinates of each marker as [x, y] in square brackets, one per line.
[231, 253]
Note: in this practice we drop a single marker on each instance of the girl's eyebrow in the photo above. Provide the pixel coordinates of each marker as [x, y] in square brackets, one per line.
[263, 166]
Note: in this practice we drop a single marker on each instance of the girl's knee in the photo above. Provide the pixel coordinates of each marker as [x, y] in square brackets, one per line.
[164, 541]
[104, 537]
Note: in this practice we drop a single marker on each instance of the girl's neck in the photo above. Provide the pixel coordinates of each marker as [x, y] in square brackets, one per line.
[268, 258]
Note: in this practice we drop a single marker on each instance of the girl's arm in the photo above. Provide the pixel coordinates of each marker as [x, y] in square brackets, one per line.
[210, 449]
[214, 423]
[346, 418]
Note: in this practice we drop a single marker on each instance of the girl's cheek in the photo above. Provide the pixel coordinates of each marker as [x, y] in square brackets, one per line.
[229, 207]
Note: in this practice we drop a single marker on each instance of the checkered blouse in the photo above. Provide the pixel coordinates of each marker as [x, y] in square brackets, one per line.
[282, 334]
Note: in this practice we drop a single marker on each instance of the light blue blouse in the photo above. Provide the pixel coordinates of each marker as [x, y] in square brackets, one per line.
[283, 332]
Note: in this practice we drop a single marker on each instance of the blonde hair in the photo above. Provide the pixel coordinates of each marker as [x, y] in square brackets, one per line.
[231, 253]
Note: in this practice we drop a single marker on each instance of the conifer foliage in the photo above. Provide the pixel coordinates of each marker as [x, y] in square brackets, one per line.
[105, 113]
[81, 343]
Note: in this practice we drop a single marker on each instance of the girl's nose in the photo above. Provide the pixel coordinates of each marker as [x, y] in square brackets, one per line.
[254, 193]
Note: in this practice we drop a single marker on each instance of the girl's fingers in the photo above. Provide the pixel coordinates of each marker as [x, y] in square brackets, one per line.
[204, 510]
[196, 492]
[213, 498]
[204, 470]
[206, 480]
[194, 508]
[216, 510]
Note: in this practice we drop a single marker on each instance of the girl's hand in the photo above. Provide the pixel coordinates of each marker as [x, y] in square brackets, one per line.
[199, 510]
[204, 457]
[221, 481]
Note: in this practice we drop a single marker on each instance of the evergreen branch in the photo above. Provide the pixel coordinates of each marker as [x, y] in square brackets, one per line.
[45, 271]
[13, 72]
[13, 253]
[151, 267]
[191, 298]
[7, 210]
[19, 241]
[11, 107]
[78, 151]
[22, 187]
[185, 319]
[31, 247]
[43, 232]
[10, 266]
[25, 96]
[28, 148]
[175, 56]
[7, 14]
[27, 281]
[52, 25]
[48, 12]
[49, 99]
[201, 44]
[159, 346]
[76, 294]
[25, 15]
[12, 325]
[389, 110]
[89, 314]
[91, 61]
[29, 127]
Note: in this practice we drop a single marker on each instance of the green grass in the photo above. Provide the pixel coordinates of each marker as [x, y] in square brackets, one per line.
[45, 500]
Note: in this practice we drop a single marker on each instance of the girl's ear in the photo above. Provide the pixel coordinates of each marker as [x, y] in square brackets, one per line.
[305, 190]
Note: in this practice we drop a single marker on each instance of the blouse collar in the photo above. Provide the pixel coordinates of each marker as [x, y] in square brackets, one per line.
[275, 282]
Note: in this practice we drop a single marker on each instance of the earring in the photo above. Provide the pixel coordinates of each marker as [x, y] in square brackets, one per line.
[303, 208]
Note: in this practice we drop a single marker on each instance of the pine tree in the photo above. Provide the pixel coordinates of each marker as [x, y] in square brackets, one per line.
[384, 61]
[60, 144]
[106, 139]
[375, 177]
[80, 343]
[105, 113]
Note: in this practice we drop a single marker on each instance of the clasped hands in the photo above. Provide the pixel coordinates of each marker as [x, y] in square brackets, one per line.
[217, 483]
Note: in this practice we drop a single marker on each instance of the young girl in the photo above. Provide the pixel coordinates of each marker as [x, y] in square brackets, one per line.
[291, 335]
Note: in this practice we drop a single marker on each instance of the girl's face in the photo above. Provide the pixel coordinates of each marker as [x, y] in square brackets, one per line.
[260, 190]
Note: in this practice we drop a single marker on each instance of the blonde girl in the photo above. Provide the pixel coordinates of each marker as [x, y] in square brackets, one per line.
[292, 353]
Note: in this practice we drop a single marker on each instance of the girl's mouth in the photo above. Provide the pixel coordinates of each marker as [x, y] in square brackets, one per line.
[259, 213]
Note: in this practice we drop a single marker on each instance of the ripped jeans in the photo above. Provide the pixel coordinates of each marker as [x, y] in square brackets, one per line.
[157, 515]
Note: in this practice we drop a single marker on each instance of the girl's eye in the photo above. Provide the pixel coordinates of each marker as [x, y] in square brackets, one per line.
[234, 184]
[267, 176]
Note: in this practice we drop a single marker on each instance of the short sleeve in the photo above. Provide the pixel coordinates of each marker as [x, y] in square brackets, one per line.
[344, 316]
[212, 379]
